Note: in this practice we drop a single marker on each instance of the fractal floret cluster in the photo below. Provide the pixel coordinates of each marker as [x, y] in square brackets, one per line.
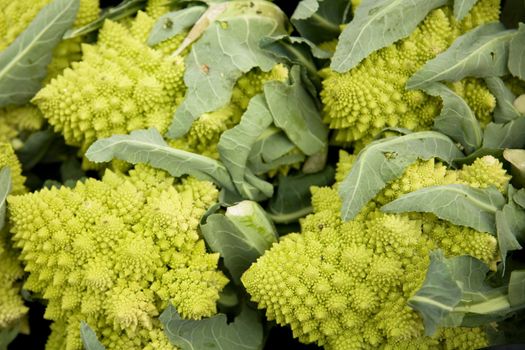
[114, 253]
[120, 85]
[12, 307]
[9, 159]
[15, 121]
[345, 285]
[359, 103]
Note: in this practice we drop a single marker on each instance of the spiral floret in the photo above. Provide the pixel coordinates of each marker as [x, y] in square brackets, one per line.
[115, 253]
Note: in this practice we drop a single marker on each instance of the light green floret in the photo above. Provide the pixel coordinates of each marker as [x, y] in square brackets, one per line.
[16, 122]
[9, 159]
[359, 103]
[115, 253]
[345, 285]
[12, 308]
[120, 85]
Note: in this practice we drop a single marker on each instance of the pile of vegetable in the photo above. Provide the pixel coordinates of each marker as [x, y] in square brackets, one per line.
[249, 174]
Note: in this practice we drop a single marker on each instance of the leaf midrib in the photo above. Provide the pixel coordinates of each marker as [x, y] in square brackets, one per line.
[504, 35]
[28, 47]
[349, 198]
[381, 12]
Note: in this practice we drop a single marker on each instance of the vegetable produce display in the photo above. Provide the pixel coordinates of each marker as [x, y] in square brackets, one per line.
[253, 174]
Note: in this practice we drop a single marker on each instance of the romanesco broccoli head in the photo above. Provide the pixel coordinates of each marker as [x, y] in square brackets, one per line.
[12, 307]
[69, 50]
[372, 96]
[115, 252]
[156, 8]
[345, 285]
[16, 121]
[477, 95]
[120, 85]
[9, 159]
[485, 171]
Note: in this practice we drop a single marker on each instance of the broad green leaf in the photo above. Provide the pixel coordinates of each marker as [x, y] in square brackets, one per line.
[272, 150]
[510, 223]
[265, 188]
[5, 189]
[240, 239]
[228, 298]
[385, 160]
[377, 24]
[517, 53]
[251, 219]
[125, 9]
[253, 8]
[316, 162]
[462, 8]
[495, 152]
[236, 144]
[148, 146]
[505, 110]
[490, 305]
[319, 20]
[471, 272]
[481, 52]
[456, 119]
[293, 198]
[174, 23]
[438, 295]
[227, 198]
[7, 335]
[506, 135]
[295, 111]
[517, 288]
[23, 65]
[270, 147]
[209, 16]
[89, 338]
[478, 303]
[516, 158]
[519, 198]
[260, 167]
[226, 51]
[460, 204]
[244, 333]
